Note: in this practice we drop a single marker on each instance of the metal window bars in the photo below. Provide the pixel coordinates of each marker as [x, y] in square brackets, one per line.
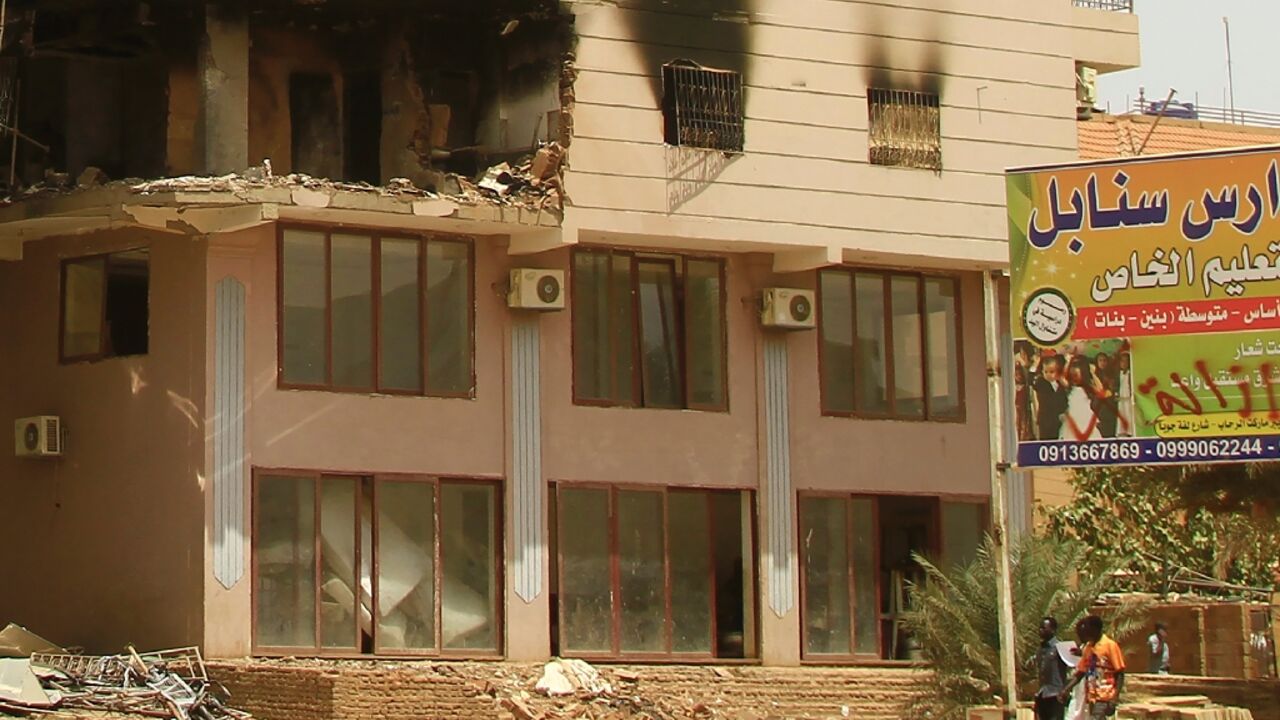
[703, 107]
[905, 128]
[1112, 5]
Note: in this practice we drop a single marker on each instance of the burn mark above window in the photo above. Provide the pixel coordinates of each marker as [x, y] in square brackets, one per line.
[702, 107]
[905, 128]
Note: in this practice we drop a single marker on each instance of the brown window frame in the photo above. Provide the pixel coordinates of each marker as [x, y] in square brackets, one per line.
[376, 237]
[750, 555]
[887, 274]
[679, 262]
[317, 650]
[103, 330]
[935, 551]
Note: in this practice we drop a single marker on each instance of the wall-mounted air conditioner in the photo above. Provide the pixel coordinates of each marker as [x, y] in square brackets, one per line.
[536, 289]
[788, 309]
[39, 436]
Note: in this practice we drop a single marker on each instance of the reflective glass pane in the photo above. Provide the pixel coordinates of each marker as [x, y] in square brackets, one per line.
[591, 339]
[82, 295]
[641, 572]
[836, 316]
[449, 317]
[586, 609]
[351, 265]
[622, 331]
[940, 298]
[865, 605]
[406, 565]
[704, 333]
[660, 346]
[962, 528]
[401, 321]
[691, 571]
[284, 592]
[339, 589]
[908, 353]
[826, 575]
[731, 550]
[468, 556]
[871, 370]
[303, 352]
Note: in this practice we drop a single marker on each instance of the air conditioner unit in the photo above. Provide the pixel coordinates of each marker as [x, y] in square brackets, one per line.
[536, 289]
[788, 309]
[1086, 86]
[39, 436]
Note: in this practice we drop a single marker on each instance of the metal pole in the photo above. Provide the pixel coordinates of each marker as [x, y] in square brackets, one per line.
[999, 500]
[1231, 84]
[1159, 116]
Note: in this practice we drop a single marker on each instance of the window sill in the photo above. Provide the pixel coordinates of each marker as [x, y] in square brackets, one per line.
[373, 393]
[92, 359]
[313, 654]
[615, 406]
[956, 420]
[854, 661]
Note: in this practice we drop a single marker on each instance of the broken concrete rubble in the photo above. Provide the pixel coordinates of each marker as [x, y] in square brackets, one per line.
[166, 684]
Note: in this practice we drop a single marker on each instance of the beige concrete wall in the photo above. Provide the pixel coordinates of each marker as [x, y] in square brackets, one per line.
[103, 545]
[1004, 71]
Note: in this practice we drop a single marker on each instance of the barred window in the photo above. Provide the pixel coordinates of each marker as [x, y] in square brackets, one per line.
[702, 107]
[905, 128]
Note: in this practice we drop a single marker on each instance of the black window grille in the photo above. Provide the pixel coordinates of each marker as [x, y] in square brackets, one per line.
[905, 128]
[702, 107]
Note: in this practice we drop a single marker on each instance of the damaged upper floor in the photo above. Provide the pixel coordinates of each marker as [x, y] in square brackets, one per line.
[352, 92]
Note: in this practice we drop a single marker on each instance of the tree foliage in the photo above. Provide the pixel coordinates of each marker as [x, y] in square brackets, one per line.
[955, 619]
[1168, 524]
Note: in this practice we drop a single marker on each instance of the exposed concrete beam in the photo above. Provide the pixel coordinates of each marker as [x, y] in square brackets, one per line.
[203, 221]
[790, 261]
[224, 85]
[541, 241]
[40, 228]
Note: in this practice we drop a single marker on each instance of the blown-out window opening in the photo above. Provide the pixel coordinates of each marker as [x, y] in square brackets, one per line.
[702, 107]
[905, 128]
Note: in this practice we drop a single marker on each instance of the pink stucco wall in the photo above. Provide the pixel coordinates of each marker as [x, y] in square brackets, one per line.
[102, 546]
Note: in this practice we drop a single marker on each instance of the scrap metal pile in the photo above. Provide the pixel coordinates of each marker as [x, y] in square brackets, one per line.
[165, 684]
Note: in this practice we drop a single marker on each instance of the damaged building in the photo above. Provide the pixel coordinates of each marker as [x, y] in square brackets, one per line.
[518, 328]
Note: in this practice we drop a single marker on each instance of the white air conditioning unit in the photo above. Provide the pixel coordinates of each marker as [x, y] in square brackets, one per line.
[788, 309]
[536, 289]
[39, 436]
[1086, 86]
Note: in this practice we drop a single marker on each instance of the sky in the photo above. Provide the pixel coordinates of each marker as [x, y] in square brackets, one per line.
[1183, 46]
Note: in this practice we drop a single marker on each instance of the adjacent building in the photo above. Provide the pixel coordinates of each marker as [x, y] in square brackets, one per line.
[694, 384]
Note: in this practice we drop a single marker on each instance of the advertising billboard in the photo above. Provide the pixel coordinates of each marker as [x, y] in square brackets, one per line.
[1145, 303]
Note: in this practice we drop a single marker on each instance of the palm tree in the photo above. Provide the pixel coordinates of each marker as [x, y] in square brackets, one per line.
[954, 617]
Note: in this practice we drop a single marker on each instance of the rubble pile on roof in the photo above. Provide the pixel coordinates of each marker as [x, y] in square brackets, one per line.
[38, 678]
[533, 184]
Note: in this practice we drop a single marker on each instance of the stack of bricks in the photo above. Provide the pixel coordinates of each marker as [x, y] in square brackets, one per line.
[1262, 697]
[1192, 707]
[342, 690]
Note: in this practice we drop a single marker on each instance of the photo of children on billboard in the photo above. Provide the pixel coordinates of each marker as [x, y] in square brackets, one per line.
[1076, 391]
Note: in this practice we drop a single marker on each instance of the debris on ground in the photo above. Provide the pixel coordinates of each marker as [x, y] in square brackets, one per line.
[165, 684]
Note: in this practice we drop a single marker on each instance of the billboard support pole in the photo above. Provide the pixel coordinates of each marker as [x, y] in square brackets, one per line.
[999, 499]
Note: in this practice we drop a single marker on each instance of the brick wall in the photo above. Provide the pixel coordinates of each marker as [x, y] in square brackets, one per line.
[1262, 697]
[1210, 639]
[351, 690]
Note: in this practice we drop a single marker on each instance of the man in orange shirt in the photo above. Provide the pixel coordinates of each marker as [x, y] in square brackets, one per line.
[1101, 668]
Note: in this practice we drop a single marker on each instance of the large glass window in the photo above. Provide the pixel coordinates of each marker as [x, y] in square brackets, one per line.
[646, 572]
[105, 306]
[889, 345]
[857, 557]
[367, 313]
[392, 565]
[648, 330]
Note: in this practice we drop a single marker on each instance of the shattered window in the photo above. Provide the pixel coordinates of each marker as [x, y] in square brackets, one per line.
[105, 306]
[905, 128]
[365, 313]
[648, 330]
[405, 565]
[661, 572]
[889, 344]
[702, 107]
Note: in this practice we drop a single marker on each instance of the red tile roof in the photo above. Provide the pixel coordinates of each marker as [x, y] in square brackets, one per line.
[1110, 136]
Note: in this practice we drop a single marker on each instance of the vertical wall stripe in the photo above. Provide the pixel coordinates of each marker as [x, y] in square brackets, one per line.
[229, 477]
[526, 453]
[781, 503]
